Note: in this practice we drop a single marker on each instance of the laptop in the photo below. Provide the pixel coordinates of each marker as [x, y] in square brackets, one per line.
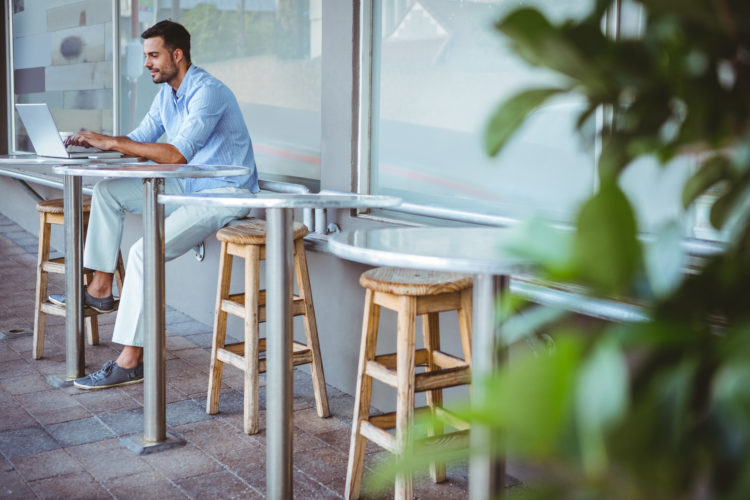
[46, 138]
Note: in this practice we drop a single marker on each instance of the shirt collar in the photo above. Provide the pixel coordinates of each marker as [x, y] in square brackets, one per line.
[184, 84]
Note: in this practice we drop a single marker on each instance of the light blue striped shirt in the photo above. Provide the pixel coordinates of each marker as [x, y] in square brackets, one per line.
[203, 121]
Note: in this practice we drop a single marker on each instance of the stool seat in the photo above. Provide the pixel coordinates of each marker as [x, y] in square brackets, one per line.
[253, 232]
[413, 282]
[56, 206]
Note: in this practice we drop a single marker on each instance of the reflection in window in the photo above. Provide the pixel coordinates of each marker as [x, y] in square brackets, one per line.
[267, 51]
[439, 70]
[62, 56]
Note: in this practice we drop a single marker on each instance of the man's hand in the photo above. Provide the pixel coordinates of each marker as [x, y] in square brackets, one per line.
[89, 139]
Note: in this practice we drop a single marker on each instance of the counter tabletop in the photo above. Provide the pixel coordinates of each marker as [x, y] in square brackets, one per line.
[131, 168]
[283, 200]
[458, 249]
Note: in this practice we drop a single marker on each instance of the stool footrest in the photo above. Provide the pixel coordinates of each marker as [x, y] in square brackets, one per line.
[235, 305]
[374, 433]
[376, 430]
[428, 381]
[56, 266]
[234, 354]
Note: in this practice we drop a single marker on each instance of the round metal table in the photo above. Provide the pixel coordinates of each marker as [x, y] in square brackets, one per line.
[279, 266]
[476, 250]
[155, 436]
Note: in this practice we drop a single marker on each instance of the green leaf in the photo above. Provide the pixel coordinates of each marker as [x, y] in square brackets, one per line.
[665, 259]
[511, 114]
[722, 207]
[709, 173]
[607, 252]
[601, 400]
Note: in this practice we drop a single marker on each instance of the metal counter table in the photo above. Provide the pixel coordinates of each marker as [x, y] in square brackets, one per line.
[154, 353]
[279, 262]
[474, 250]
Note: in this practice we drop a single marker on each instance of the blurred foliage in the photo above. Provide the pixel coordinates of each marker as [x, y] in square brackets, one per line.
[657, 408]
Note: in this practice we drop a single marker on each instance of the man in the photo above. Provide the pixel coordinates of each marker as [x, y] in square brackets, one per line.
[204, 125]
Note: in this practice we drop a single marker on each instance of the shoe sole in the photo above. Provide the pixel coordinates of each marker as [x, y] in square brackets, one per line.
[100, 311]
[97, 387]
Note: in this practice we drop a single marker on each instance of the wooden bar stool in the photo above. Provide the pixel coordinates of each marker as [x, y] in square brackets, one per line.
[410, 293]
[51, 212]
[247, 241]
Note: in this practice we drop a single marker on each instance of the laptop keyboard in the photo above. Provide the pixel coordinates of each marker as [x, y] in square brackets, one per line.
[81, 149]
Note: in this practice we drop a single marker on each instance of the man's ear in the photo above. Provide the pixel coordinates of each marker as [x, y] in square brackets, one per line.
[178, 55]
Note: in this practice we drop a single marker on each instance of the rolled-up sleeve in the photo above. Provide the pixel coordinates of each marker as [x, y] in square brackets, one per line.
[205, 109]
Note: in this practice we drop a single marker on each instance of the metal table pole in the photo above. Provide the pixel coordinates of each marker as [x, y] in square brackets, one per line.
[279, 260]
[486, 472]
[75, 355]
[154, 352]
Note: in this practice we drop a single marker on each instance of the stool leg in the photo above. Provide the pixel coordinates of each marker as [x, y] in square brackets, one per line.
[311, 329]
[91, 322]
[252, 335]
[431, 337]
[220, 331]
[362, 396]
[119, 273]
[405, 372]
[464, 323]
[41, 287]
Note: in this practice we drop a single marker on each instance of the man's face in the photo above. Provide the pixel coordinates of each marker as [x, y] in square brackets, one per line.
[159, 61]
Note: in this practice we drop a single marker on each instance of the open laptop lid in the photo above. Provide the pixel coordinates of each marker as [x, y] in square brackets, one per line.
[44, 135]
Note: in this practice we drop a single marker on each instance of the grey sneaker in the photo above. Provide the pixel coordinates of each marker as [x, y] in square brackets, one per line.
[103, 305]
[111, 375]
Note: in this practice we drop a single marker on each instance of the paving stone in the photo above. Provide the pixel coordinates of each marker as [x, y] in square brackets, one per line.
[325, 464]
[182, 462]
[75, 432]
[53, 416]
[14, 417]
[124, 423]
[108, 401]
[22, 442]
[144, 485]
[15, 367]
[106, 460]
[25, 384]
[12, 486]
[46, 464]
[77, 485]
[216, 438]
[206, 485]
[203, 340]
[177, 342]
[185, 412]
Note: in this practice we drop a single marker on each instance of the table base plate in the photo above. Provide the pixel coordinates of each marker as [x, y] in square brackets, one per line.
[137, 445]
[58, 381]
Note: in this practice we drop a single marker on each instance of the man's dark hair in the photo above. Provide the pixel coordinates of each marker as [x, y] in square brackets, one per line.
[174, 34]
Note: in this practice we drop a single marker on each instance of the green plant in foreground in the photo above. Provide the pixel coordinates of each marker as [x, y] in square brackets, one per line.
[659, 408]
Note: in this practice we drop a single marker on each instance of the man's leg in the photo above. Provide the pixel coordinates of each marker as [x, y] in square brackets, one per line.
[111, 200]
[185, 227]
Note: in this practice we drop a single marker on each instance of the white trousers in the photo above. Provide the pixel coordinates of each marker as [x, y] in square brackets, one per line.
[184, 227]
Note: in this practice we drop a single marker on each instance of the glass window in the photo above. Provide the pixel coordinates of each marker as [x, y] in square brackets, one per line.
[267, 51]
[62, 56]
[439, 70]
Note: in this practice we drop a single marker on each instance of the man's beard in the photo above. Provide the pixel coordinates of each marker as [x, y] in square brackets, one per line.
[165, 74]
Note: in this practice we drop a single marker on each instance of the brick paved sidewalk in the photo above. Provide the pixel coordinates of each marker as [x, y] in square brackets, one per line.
[64, 442]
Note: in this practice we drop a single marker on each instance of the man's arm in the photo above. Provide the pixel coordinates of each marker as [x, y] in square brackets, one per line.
[154, 151]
